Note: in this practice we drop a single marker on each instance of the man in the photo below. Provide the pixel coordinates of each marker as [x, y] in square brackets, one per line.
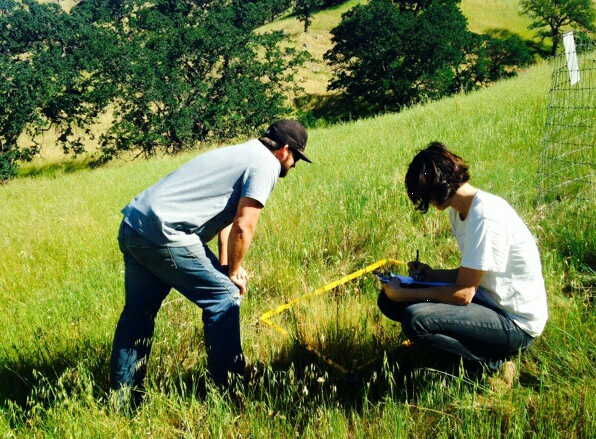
[163, 239]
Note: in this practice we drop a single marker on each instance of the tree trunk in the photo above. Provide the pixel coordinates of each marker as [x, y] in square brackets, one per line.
[555, 37]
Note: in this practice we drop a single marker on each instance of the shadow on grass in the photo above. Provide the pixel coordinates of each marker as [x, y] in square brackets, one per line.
[26, 379]
[538, 49]
[331, 108]
[54, 169]
[297, 381]
[296, 377]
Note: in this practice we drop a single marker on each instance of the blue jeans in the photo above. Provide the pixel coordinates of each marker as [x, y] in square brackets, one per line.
[482, 336]
[150, 272]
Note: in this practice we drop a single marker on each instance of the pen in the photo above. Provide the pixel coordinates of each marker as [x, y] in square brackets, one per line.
[417, 273]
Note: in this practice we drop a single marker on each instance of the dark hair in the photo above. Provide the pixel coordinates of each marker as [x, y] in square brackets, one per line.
[271, 144]
[434, 175]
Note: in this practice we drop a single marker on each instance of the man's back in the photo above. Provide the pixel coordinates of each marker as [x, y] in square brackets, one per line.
[196, 201]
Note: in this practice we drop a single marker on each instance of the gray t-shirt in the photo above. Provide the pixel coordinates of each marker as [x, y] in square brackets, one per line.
[199, 199]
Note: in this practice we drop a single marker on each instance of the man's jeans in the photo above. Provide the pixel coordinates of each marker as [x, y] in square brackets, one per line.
[482, 336]
[150, 272]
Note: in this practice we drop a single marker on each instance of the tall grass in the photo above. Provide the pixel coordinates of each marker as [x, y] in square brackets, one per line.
[61, 286]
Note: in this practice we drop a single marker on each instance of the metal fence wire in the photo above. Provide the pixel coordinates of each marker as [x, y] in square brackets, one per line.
[568, 157]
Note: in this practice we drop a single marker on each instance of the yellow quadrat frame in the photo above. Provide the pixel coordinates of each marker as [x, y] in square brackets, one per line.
[266, 317]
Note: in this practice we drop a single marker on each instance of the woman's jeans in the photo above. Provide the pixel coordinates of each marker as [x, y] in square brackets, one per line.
[481, 335]
[150, 272]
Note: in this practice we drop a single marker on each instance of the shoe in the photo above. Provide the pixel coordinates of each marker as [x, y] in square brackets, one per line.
[510, 373]
[504, 379]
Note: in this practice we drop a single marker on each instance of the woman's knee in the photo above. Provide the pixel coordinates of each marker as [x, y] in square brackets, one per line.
[384, 305]
[416, 320]
[389, 308]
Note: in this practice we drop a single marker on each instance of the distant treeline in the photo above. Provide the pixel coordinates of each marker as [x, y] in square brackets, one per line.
[387, 55]
[177, 72]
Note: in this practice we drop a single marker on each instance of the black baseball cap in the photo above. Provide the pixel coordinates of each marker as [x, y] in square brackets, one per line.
[289, 132]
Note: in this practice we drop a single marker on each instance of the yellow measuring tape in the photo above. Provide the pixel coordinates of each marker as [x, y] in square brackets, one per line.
[266, 317]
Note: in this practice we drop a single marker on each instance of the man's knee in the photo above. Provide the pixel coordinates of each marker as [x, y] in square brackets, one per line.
[140, 316]
[224, 310]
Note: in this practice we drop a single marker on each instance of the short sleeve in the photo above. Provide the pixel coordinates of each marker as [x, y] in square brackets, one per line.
[259, 180]
[486, 246]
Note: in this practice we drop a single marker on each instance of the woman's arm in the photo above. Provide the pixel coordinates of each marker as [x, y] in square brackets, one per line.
[461, 293]
[423, 272]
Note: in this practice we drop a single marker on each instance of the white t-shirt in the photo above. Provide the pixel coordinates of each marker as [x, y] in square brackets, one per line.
[493, 238]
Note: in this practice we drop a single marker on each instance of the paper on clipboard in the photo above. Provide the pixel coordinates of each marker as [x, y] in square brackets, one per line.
[407, 281]
[571, 55]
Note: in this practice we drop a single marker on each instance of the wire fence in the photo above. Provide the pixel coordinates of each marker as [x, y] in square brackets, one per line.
[568, 158]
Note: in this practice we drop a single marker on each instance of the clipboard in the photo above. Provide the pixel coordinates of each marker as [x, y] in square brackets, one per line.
[408, 282]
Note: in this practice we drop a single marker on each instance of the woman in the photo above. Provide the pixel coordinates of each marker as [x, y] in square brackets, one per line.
[495, 304]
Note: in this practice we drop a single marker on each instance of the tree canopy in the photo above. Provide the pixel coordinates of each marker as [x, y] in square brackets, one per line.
[551, 16]
[174, 73]
[388, 54]
[47, 60]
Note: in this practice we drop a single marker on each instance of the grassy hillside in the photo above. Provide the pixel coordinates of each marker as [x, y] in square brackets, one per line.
[496, 14]
[481, 15]
[61, 285]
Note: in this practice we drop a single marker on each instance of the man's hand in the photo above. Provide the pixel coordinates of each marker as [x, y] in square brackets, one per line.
[240, 283]
[242, 274]
[240, 279]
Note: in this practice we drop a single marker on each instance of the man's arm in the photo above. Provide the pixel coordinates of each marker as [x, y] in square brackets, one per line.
[222, 245]
[240, 237]
[462, 293]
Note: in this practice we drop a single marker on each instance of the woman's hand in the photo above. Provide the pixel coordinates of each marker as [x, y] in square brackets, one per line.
[394, 291]
[419, 271]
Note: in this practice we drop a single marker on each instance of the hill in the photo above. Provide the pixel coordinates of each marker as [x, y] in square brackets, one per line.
[61, 285]
[313, 77]
[482, 16]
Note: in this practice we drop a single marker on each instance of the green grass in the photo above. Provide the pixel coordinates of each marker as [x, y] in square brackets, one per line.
[484, 15]
[61, 286]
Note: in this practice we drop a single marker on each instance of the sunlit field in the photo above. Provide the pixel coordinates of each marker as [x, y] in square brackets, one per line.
[61, 286]
[484, 15]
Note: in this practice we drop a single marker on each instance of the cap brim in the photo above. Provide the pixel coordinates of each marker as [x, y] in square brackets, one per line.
[301, 155]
